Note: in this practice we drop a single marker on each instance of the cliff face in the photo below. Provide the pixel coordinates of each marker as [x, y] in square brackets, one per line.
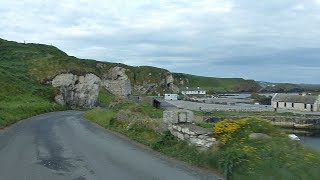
[76, 91]
[117, 82]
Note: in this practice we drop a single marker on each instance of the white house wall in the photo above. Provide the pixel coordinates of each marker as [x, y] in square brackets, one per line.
[171, 97]
[297, 106]
[193, 92]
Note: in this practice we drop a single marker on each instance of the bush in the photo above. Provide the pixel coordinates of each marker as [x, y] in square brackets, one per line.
[276, 158]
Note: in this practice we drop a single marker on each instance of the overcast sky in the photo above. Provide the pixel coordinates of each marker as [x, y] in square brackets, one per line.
[270, 40]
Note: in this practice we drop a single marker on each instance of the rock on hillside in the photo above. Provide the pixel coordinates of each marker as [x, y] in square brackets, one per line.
[77, 91]
[170, 84]
[117, 82]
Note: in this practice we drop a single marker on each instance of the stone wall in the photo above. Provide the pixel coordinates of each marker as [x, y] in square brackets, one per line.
[296, 106]
[287, 121]
[180, 125]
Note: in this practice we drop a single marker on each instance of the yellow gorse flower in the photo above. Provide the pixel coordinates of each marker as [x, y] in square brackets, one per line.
[225, 129]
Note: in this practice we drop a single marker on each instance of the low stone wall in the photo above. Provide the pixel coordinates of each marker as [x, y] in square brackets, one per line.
[285, 121]
[180, 125]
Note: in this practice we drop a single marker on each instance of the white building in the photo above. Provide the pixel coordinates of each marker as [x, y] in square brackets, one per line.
[188, 91]
[171, 97]
[296, 102]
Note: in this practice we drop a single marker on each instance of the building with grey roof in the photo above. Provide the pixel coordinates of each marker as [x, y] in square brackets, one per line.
[296, 102]
[197, 91]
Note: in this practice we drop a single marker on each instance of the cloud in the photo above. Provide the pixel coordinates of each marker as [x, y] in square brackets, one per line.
[205, 37]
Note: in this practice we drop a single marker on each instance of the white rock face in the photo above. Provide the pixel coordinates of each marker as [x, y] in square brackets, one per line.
[170, 84]
[169, 79]
[117, 82]
[77, 91]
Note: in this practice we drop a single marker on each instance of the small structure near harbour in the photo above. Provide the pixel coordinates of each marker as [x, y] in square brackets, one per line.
[180, 125]
[197, 91]
[296, 102]
[171, 97]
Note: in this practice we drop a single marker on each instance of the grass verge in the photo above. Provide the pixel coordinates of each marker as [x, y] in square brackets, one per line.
[237, 157]
[161, 142]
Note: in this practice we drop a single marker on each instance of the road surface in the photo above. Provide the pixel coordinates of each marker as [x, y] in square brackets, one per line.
[63, 145]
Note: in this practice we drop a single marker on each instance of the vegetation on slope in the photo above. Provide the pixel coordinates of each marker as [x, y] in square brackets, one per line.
[26, 68]
[141, 132]
[237, 156]
[290, 88]
[20, 95]
[214, 85]
[276, 157]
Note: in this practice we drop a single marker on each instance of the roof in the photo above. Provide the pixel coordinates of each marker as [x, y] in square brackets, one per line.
[307, 99]
[163, 102]
[193, 90]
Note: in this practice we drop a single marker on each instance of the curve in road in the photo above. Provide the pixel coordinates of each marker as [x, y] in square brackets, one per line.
[63, 145]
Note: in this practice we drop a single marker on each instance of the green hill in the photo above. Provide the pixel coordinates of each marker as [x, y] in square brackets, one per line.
[213, 84]
[25, 70]
[20, 95]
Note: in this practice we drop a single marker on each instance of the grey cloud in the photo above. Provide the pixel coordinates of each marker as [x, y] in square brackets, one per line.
[213, 38]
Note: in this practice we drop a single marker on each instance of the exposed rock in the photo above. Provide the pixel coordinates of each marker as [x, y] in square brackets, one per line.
[294, 137]
[117, 82]
[77, 91]
[259, 136]
[181, 82]
[145, 88]
[100, 65]
[59, 99]
[174, 88]
[170, 84]
[169, 79]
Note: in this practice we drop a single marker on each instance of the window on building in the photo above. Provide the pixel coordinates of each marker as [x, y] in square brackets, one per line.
[305, 106]
[285, 104]
[292, 105]
[277, 104]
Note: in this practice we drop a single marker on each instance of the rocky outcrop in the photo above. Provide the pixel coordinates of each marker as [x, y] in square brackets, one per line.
[170, 84]
[117, 82]
[173, 88]
[146, 88]
[76, 91]
[258, 136]
[179, 123]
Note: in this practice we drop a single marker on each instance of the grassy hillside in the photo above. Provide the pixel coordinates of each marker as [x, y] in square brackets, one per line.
[216, 84]
[290, 88]
[25, 70]
[21, 96]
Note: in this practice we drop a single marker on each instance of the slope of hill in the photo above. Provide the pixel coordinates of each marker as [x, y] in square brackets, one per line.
[212, 84]
[288, 88]
[26, 71]
[20, 95]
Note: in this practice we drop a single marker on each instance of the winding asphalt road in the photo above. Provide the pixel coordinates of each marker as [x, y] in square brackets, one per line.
[63, 145]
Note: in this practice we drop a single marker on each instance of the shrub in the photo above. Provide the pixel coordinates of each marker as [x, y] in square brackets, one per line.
[275, 158]
[225, 129]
